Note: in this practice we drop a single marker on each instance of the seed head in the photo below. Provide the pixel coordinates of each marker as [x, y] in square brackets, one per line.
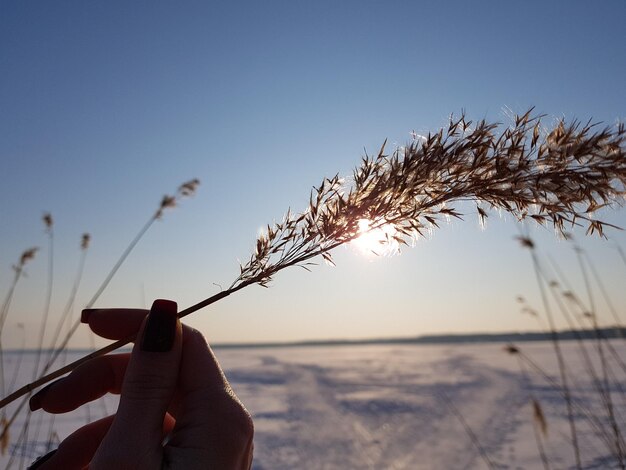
[186, 189]
[28, 255]
[526, 242]
[47, 220]
[552, 180]
[84, 242]
[539, 417]
[189, 188]
[167, 202]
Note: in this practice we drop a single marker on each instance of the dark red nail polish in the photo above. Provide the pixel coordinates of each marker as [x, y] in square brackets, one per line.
[41, 460]
[160, 330]
[86, 313]
[35, 401]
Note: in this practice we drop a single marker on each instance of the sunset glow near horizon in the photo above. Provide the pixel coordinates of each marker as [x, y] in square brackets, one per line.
[106, 107]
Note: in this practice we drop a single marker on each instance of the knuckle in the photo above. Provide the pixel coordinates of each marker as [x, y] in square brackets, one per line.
[146, 386]
[193, 335]
[238, 424]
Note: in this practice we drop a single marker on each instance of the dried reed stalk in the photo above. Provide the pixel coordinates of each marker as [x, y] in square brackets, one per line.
[18, 269]
[557, 177]
[186, 189]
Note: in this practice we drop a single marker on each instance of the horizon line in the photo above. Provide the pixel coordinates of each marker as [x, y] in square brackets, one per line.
[611, 332]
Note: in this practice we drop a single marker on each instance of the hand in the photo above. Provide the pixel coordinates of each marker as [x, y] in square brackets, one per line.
[171, 386]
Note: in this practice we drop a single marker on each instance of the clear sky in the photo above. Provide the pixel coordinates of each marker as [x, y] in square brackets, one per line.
[106, 106]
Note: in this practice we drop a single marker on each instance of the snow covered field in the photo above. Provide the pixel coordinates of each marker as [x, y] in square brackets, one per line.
[398, 407]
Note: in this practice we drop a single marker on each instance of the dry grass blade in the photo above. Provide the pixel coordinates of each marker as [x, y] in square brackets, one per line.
[539, 417]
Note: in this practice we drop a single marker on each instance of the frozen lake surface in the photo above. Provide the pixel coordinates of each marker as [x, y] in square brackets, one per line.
[398, 407]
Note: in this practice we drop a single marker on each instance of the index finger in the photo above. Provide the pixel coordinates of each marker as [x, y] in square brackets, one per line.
[114, 323]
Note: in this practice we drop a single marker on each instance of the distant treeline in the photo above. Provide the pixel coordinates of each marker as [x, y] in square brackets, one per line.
[565, 335]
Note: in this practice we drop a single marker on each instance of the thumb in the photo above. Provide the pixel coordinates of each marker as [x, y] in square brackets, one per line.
[134, 439]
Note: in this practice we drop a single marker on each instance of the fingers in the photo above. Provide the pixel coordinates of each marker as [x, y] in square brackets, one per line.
[98, 376]
[134, 439]
[166, 362]
[86, 383]
[105, 374]
[114, 323]
[77, 450]
[210, 417]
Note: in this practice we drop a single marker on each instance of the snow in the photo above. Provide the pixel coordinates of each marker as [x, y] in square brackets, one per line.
[397, 406]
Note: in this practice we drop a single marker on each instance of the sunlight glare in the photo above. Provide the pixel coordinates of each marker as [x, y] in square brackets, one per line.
[376, 241]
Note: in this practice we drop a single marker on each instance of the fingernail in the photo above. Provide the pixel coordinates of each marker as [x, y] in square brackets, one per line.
[86, 313]
[35, 401]
[41, 460]
[160, 330]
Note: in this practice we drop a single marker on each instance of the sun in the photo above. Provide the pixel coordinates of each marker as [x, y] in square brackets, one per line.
[373, 240]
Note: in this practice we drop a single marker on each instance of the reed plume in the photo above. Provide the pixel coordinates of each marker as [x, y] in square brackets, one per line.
[560, 178]
[557, 177]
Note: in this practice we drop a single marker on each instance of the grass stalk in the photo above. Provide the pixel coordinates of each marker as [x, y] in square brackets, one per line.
[559, 355]
[18, 269]
[47, 219]
[468, 430]
[49, 287]
[185, 190]
[591, 418]
[603, 362]
[67, 310]
[605, 294]
[539, 426]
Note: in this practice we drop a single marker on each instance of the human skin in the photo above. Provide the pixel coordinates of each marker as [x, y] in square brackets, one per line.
[176, 411]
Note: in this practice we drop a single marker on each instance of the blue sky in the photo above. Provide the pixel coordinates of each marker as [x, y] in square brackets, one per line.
[106, 106]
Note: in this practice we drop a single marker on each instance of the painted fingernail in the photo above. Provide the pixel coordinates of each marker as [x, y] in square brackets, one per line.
[160, 331]
[41, 460]
[35, 401]
[86, 313]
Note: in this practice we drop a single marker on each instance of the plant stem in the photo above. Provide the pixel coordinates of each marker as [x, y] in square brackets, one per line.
[101, 289]
[561, 362]
[468, 431]
[111, 347]
[70, 303]
[46, 311]
[603, 363]
[536, 426]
